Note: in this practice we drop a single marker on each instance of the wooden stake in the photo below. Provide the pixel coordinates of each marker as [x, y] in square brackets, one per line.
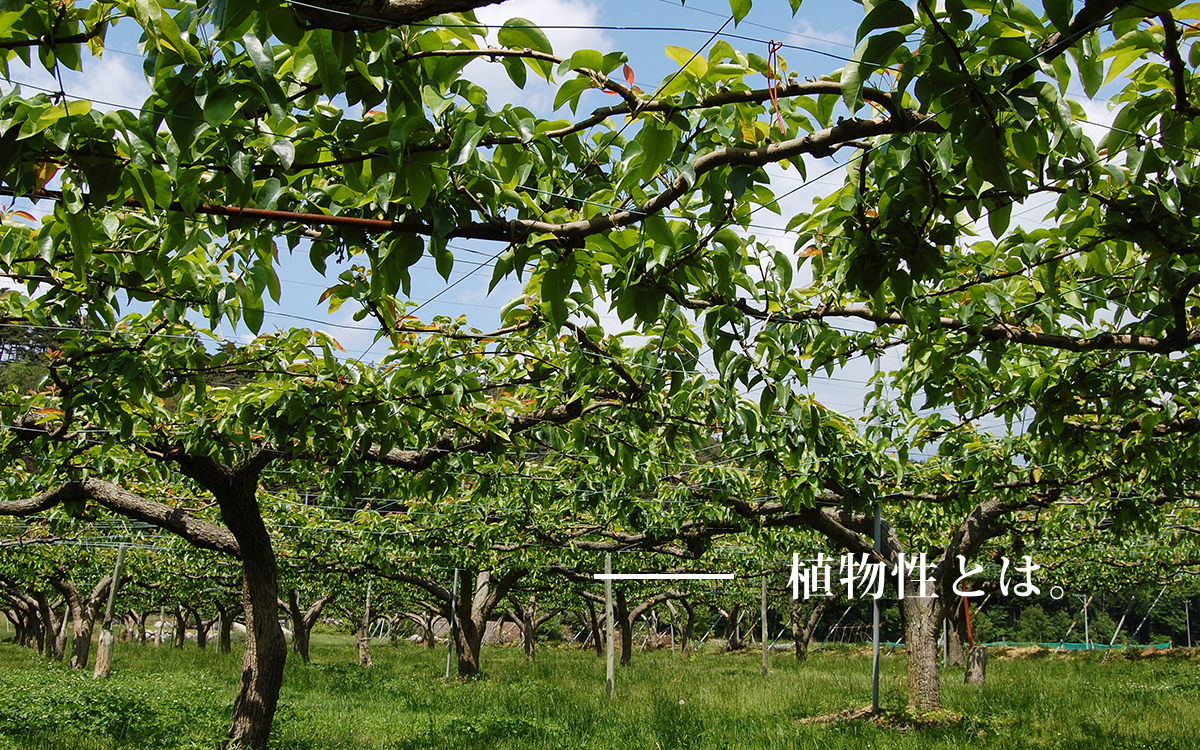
[105, 648]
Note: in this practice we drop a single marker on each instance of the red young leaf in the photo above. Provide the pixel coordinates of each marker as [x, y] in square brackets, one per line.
[628, 74]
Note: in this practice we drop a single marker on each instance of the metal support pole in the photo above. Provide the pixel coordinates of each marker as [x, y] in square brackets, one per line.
[765, 634]
[1087, 631]
[1187, 619]
[875, 626]
[608, 616]
[450, 632]
[875, 602]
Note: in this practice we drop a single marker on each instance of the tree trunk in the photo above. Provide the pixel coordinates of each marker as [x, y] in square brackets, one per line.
[50, 644]
[35, 635]
[799, 637]
[976, 666]
[595, 628]
[266, 649]
[362, 637]
[733, 621]
[472, 611]
[300, 633]
[525, 615]
[622, 622]
[956, 634]
[303, 621]
[922, 621]
[180, 627]
[141, 625]
[29, 632]
[689, 627]
[425, 623]
[803, 629]
[83, 619]
[225, 641]
[202, 627]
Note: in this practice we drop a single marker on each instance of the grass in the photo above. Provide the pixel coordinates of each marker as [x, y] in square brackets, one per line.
[179, 700]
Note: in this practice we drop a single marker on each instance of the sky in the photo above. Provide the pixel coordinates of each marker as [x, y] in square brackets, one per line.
[817, 41]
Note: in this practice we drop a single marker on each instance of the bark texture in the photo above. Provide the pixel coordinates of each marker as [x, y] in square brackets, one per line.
[266, 649]
[472, 610]
[83, 611]
[302, 620]
[976, 666]
[803, 628]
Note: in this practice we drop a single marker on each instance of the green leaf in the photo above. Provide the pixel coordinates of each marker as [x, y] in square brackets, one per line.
[740, 8]
[264, 64]
[402, 253]
[466, 138]
[658, 229]
[691, 62]
[443, 259]
[998, 219]
[571, 90]
[783, 270]
[419, 180]
[987, 157]
[220, 105]
[658, 143]
[217, 8]
[329, 66]
[872, 54]
[556, 286]
[516, 70]
[1059, 12]
[1125, 51]
[887, 14]
[588, 59]
[169, 35]
[520, 33]
[80, 228]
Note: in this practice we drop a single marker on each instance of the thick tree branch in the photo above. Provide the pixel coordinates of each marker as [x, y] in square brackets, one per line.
[423, 458]
[1178, 69]
[820, 143]
[997, 331]
[199, 533]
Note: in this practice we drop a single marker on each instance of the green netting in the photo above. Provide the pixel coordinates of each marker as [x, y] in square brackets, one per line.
[1063, 646]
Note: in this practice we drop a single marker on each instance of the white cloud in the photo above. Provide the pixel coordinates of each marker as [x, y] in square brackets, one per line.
[825, 37]
[537, 95]
[113, 81]
[1099, 118]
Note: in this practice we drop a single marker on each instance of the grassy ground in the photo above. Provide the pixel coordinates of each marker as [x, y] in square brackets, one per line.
[163, 698]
